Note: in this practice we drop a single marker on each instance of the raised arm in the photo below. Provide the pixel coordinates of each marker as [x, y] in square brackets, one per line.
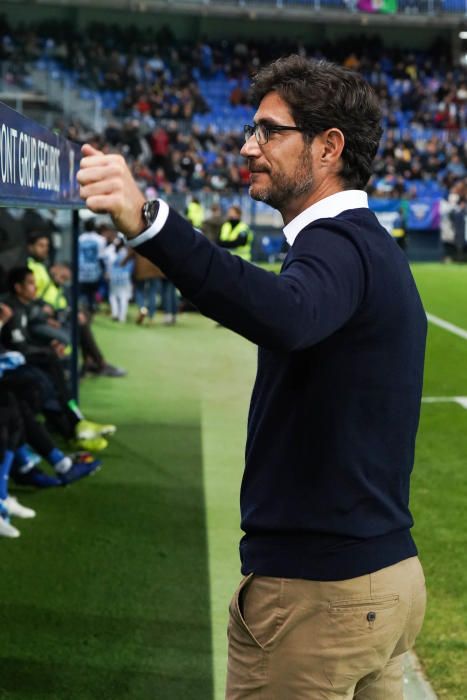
[318, 290]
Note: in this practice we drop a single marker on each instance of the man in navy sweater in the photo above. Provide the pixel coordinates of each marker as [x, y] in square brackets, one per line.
[333, 593]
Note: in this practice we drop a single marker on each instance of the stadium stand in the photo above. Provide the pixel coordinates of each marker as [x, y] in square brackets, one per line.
[176, 108]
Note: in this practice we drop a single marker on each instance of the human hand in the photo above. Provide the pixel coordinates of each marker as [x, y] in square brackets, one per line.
[58, 348]
[5, 313]
[107, 185]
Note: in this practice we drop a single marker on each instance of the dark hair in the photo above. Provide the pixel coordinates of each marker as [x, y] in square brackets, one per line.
[17, 275]
[237, 209]
[90, 224]
[322, 95]
[104, 227]
[35, 235]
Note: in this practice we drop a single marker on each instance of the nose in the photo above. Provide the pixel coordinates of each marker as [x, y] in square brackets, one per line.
[250, 148]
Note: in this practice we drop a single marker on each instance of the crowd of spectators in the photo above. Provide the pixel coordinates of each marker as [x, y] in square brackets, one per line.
[178, 140]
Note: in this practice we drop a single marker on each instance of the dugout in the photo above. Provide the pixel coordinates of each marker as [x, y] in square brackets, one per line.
[38, 169]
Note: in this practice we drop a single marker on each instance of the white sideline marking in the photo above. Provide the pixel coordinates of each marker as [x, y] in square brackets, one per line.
[447, 326]
[461, 400]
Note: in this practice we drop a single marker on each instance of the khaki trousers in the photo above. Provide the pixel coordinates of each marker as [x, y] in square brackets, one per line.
[293, 639]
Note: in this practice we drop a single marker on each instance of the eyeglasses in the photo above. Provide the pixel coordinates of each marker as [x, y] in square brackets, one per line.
[262, 131]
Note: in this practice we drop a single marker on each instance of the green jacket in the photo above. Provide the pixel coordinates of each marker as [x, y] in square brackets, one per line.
[238, 238]
[46, 289]
[195, 214]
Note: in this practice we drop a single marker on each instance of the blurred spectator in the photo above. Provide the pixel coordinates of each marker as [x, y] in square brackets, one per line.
[160, 148]
[90, 266]
[235, 234]
[458, 217]
[195, 213]
[398, 230]
[212, 225]
[119, 271]
[169, 301]
[452, 234]
[146, 279]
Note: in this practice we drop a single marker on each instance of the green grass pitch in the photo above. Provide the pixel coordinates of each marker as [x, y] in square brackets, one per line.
[119, 588]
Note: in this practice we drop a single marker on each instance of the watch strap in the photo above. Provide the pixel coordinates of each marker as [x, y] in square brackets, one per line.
[158, 224]
[150, 211]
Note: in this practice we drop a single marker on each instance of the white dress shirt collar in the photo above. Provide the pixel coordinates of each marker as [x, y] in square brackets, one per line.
[324, 209]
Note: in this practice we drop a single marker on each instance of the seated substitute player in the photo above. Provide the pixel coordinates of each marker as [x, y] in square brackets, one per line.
[51, 289]
[64, 416]
[21, 391]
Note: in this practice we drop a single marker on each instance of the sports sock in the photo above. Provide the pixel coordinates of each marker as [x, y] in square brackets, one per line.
[74, 408]
[23, 459]
[60, 462]
[5, 467]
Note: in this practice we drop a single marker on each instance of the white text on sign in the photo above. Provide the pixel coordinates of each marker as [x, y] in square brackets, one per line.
[28, 161]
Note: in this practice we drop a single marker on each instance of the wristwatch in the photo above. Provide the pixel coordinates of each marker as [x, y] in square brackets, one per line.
[150, 209]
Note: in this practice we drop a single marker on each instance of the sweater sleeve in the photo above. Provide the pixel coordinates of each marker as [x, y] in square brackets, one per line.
[319, 289]
[239, 241]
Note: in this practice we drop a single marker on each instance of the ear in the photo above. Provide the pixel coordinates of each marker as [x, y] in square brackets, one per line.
[332, 143]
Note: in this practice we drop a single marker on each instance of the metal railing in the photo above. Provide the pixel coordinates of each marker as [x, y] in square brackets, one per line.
[74, 101]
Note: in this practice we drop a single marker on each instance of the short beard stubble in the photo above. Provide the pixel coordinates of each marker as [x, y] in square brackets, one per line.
[285, 188]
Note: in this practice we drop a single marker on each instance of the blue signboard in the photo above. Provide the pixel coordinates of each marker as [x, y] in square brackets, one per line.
[384, 205]
[37, 167]
[422, 213]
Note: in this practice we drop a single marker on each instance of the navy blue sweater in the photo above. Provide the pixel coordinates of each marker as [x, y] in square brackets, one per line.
[335, 406]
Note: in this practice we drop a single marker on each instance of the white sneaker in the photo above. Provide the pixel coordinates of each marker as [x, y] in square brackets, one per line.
[16, 509]
[7, 530]
[88, 430]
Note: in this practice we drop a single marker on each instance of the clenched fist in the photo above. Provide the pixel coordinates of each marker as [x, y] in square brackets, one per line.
[107, 186]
